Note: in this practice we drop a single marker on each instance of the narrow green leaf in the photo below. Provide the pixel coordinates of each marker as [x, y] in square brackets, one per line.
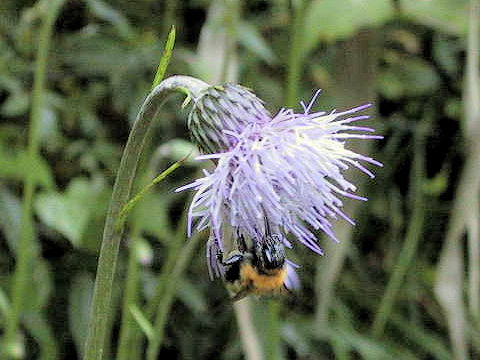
[4, 304]
[17, 166]
[78, 309]
[142, 321]
[250, 38]
[425, 338]
[10, 218]
[167, 54]
[108, 13]
[131, 203]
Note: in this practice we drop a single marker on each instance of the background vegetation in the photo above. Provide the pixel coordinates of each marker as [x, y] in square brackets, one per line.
[402, 284]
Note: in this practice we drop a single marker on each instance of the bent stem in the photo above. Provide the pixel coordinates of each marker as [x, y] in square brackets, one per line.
[97, 327]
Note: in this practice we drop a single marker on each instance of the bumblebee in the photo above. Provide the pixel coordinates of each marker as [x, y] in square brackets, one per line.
[258, 269]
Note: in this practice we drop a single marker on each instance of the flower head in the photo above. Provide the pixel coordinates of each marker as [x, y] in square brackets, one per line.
[287, 168]
[220, 109]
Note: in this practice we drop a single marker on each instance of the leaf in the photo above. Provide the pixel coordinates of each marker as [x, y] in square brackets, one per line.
[292, 336]
[67, 213]
[16, 166]
[407, 77]
[131, 203]
[212, 49]
[105, 12]
[18, 100]
[424, 337]
[445, 15]
[81, 293]
[167, 54]
[4, 304]
[330, 20]
[192, 297]
[39, 291]
[252, 40]
[10, 217]
[142, 321]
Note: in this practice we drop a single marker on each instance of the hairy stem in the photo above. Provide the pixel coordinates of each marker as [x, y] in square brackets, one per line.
[97, 328]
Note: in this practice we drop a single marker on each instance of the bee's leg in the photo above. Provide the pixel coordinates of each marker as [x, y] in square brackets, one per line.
[220, 256]
[232, 259]
[268, 230]
[241, 243]
[286, 289]
[240, 295]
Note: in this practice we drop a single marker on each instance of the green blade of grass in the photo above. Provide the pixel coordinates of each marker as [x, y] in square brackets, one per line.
[167, 54]
[132, 202]
[142, 322]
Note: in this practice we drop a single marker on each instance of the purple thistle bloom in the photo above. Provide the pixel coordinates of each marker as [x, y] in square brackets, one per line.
[287, 168]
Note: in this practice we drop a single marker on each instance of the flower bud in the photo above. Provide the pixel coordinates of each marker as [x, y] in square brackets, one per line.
[221, 109]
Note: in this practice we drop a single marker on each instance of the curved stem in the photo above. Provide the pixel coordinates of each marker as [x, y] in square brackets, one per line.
[97, 328]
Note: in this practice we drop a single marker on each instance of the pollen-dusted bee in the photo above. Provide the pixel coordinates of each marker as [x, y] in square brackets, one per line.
[258, 268]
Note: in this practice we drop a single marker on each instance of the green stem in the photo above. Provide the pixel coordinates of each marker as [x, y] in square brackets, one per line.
[472, 114]
[128, 329]
[174, 248]
[250, 339]
[272, 336]
[230, 17]
[295, 59]
[169, 291]
[413, 236]
[129, 298]
[272, 340]
[97, 328]
[160, 303]
[25, 249]
[450, 272]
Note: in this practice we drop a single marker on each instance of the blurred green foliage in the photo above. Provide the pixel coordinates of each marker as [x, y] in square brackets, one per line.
[101, 65]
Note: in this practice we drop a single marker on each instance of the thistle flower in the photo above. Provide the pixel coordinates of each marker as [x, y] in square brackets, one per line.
[287, 168]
